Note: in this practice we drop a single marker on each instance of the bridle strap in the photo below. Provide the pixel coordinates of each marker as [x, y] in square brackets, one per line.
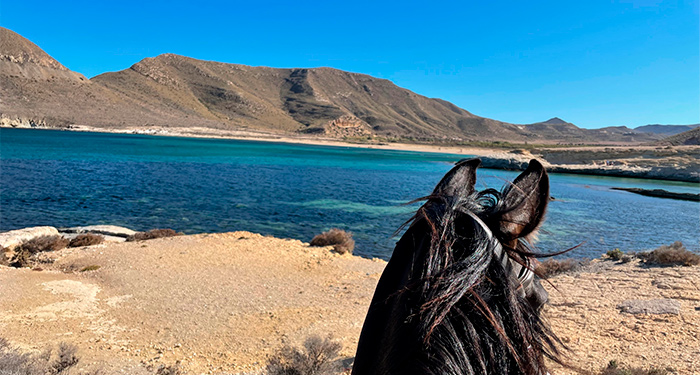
[523, 274]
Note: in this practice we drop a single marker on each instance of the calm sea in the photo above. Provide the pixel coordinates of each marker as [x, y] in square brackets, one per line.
[295, 191]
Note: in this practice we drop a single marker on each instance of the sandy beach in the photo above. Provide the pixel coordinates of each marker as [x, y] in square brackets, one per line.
[223, 303]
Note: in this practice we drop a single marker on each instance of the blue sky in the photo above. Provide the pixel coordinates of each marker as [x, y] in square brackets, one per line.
[593, 63]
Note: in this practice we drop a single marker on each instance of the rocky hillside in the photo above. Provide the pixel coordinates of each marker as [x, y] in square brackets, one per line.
[177, 91]
[556, 128]
[690, 137]
[297, 100]
[665, 130]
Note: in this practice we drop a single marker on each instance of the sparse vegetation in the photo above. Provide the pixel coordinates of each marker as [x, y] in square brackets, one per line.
[168, 370]
[551, 267]
[21, 258]
[45, 243]
[93, 267]
[319, 357]
[341, 240]
[614, 368]
[86, 239]
[4, 261]
[49, 362]
[673, 254]
[152, 234]
[615, 254]
[24, 252]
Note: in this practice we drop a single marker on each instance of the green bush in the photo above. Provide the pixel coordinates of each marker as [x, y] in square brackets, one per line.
[615, 254]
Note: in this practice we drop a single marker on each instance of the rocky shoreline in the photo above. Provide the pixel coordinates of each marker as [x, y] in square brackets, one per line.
[684, 166]
[660, 193]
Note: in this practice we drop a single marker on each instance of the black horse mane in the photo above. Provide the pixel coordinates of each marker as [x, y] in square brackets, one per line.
[469, 317]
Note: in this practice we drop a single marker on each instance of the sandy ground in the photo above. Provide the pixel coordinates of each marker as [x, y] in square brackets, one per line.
[222, 303]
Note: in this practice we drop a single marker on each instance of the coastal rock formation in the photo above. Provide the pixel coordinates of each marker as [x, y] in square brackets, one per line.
[661, 193]
[106, 230]
[348, 127]
[21, 122]
[11, 239]
[675, 163]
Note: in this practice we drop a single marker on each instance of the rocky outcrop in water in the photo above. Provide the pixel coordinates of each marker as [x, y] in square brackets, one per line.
[660, 164]
[661, 193]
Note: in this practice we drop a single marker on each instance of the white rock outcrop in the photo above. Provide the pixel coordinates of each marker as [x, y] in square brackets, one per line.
[14, 238]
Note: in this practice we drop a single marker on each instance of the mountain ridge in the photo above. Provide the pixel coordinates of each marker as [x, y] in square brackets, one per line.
[172, 91]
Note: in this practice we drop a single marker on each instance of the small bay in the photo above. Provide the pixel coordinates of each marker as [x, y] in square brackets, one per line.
[199, 185]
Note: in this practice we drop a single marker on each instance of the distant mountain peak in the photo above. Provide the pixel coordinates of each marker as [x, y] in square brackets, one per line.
[555, 121]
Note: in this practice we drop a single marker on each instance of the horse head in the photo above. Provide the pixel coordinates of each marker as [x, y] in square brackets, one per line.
[458, 295]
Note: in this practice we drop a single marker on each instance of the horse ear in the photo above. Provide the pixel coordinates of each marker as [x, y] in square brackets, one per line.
[524, 202]
[460, 180]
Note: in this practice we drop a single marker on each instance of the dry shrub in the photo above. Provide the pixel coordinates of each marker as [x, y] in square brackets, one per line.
[45, 243]
[22, 258]
[341, 240]
[93, 267]
[673, 254]
[152, 234]
[615, 254]
[50, 362]
[24, 252]
[86, 239]
[4, 261]
[614, 369]
[169, 370]
[317, 358]
[551, 267]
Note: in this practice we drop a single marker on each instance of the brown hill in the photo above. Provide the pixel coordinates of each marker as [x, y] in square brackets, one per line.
[171, 90]
[690, 137]
[297, 100]
[558, 129]
[665, 130]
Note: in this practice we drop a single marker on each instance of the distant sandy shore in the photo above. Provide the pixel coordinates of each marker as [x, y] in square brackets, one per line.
[678, 163]
[223, 303]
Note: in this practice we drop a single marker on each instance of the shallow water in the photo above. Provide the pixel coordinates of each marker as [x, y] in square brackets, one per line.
[286, 190]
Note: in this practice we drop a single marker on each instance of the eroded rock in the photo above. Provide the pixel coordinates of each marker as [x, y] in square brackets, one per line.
[14, 238]
[105, 230]
[653, 306]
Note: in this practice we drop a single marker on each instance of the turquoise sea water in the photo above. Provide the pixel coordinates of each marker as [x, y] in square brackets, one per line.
[286, 190]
